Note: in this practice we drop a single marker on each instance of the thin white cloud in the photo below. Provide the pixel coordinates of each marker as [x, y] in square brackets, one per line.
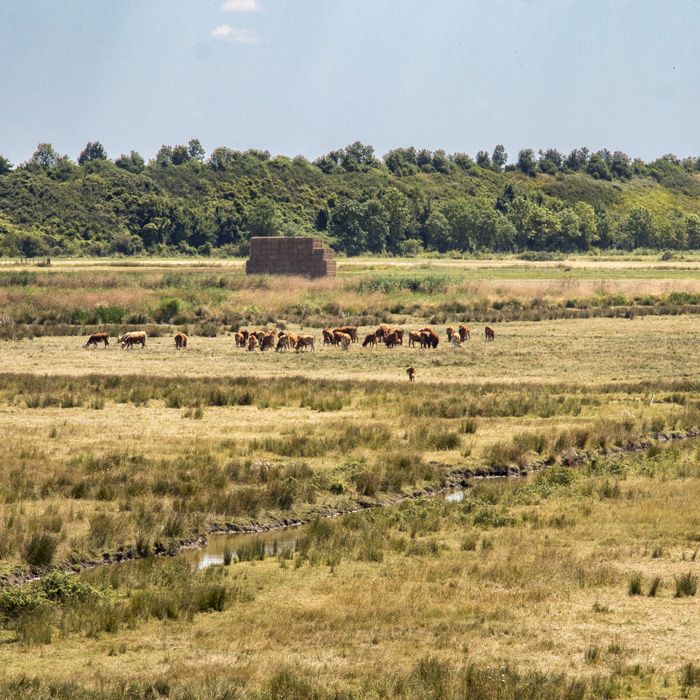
[241, 6]
[234, 34]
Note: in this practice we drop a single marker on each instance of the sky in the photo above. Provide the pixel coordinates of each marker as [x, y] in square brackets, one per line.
[308, 76]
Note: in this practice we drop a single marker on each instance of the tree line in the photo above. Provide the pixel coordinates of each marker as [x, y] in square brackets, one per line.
[408, 202]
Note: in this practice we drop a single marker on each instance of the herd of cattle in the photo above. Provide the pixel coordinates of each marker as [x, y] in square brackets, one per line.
[282, 341]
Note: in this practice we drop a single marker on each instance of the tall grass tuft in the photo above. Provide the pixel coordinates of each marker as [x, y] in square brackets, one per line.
[686, 585]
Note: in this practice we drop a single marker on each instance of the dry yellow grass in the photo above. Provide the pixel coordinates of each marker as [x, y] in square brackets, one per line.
[585, 351]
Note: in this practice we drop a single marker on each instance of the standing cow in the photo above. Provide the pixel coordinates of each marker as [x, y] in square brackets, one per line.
[128, 340]
[180, 340]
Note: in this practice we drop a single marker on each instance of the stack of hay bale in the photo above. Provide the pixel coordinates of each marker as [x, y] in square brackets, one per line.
[290, 256]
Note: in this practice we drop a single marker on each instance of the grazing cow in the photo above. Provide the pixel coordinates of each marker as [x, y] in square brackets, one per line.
[350, 330]
[304, 342]
[370, 339]
[241, 339]
[252, 342]
[413, 338]
[390, 339]
[268, 341]
[328, 337]
[489, 333]
[342, 339]
[180, 340]
[292, 339]
[382, 331]
[464, 333]
[450, 332]
[128, 340]
[428, 338]
[399, 336]
[97, 338]
[411, 372]
[282, 343]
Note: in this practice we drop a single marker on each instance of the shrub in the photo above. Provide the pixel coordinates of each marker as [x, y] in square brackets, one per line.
[634, 584]
[654, 587]
[686, 585]
[40, 549]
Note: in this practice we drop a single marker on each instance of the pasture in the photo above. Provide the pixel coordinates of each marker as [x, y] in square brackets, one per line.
[576, 579]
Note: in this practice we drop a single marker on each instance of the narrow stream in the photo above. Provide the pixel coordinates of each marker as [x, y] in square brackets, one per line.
[220, 547]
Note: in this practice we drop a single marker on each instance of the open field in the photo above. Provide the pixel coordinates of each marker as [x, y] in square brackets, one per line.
[540, 586]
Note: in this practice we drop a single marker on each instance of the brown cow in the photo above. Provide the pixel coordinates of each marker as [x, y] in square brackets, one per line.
[390, 339]
[370, 339]
[252, 342]
[489, 333]
[304, 342]
[413, 338]
[180, 340]
[268, 341]
[464, 333]
[282, 343]
[244, 333]
[128, 340]
[240, 339]
[399, 336]
[450, 332]
[350, 330]
[411, 372]
[342, 339]
[97, 338]
[328, 337]
[428, 338]
[382, 331]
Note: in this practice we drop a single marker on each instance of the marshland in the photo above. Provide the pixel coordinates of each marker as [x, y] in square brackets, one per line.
[572, 575]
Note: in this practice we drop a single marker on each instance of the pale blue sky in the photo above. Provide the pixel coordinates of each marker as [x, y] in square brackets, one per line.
[306, 76]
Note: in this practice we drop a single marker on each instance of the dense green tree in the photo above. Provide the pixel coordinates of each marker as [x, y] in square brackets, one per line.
[376, 225]
[620, 166]
[347, 227]
[5, 165]
[440, 161]
[550, 161]
[597, 167]
[462, 160]
[179, 155]
[526, 162]
[45, 156]
[195, 150]
[499, 158]
[93, 151]
[402, 161]
[692, 227]
[438, 232]
[164, 157]
[133, 163]
[262, 218]
[639, 230]
[483, 159]
[576, 160]
[399, 218]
